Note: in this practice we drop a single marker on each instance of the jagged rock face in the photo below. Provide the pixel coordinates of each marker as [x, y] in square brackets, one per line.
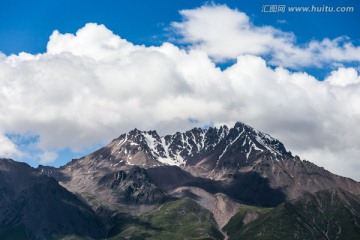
[35, 206]
[211, 148]
[123, 188]
[133, 186]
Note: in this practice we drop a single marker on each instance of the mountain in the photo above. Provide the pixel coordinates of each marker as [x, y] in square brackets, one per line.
[35, 206]
[140, 170]
[327, 214]
[203, 183]
[209, 149]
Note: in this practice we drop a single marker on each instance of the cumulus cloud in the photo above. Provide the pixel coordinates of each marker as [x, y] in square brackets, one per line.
[104, 44]
[7, 148]
[92, 86]
[343, 77]
[226, 33]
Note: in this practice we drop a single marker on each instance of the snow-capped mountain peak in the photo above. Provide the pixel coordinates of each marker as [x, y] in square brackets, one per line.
[189, 147]
[211, 149]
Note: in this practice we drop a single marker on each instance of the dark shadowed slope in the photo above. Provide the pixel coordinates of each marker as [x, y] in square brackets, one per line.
[34, 206]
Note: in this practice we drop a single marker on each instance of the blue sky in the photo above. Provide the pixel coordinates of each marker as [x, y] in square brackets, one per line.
[68, 86]
[27, 25]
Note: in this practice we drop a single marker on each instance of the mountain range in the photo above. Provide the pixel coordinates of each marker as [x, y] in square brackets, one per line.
[209, 183]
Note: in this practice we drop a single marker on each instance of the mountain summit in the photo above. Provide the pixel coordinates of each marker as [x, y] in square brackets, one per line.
[212, 149]
[227, 166]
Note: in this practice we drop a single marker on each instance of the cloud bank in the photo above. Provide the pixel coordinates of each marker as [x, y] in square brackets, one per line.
[92, 86]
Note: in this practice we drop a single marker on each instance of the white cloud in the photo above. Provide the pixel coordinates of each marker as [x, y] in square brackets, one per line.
[48, 157]
[104, 44]
[7, 148]
[226, 33]
[343, 77]
[91, 87]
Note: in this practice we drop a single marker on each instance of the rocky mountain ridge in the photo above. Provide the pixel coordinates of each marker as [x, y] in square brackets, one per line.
[139, 170]
[186, 149]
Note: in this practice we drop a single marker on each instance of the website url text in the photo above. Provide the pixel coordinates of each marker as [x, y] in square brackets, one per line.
[310, 9]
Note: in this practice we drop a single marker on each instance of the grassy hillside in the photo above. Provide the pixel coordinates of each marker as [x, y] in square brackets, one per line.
[330, 214]
[246, 213]
[181, 219]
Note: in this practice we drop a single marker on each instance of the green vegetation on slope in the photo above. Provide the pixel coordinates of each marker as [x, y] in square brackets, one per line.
[181, 219]
[329, 214]
[245, 213]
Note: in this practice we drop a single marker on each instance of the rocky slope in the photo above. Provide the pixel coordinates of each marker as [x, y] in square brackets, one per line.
[34, 206]
[220, 205]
